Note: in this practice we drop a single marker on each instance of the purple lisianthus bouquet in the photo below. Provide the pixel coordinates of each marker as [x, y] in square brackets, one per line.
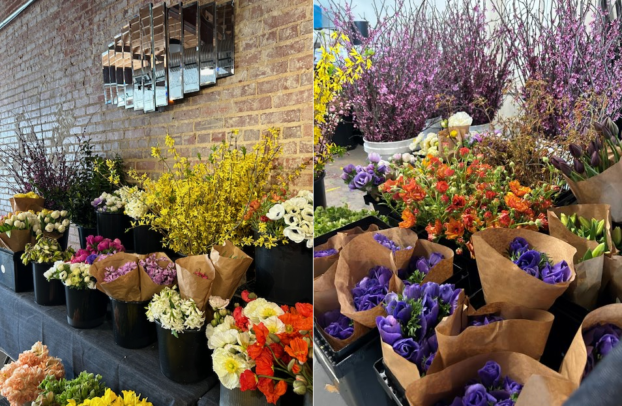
[537, 263]
[490, 389]
[599, 341]
[412, 317]
[113, 273]
[371, 290]
[366, 178]
[161, 270]
[388, 243]
[336, 324]
[419, 267]
[483, 320]
[324, 253]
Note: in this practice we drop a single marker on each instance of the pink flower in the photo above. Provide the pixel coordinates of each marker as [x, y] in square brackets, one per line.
[103, 246]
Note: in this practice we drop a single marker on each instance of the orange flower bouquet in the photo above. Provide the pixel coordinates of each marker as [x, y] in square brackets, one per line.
[263, 346]
[453, 199]
[19, 380]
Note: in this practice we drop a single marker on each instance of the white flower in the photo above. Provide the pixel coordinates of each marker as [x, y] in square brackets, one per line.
[291, 219]
[307, 214]
[416, 144]
[218, 302]
[61, 228]
[305, 194]
[228, 367]
[260, 309]
[221, 338]
[49, 228]
[63, 213]
[65, 223]
[274, 325]
[9, 221]
[21, 216]
[276, 212]
[460, 119]
[55, 214]
[408, 158]
[294, 233]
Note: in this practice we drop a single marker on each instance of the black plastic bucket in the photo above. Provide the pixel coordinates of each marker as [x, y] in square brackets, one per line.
[130, 326]
[236, 397]
[84, 232]
[50, 293]
[285, 273]
[147, 241]
[86, 308]
[184, 359]
[116, 225]
[319, 192]
[63, 241]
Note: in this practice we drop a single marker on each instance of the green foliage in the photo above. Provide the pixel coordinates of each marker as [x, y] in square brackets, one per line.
[46, 250]
[328, 219]
[57, 392]
[92, 179]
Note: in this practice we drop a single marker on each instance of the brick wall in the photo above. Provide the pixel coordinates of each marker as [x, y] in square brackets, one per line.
[7, 7]
[51, 59]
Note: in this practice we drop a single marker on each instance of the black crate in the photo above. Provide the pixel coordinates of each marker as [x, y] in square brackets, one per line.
[354, 375]
[364, 223]
[389, 384]
[13, 273]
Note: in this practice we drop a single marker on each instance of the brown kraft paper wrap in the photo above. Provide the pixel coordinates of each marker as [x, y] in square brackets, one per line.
[148, 287]
[18, 240]
[504, 281]
[192, 286]
[402, 369]
[605, 188]
[441, 271]
[576, 357]
[26, 204]
[612, 278]
[355, 261]
[230, 264]
[125, 288]
[542, 386]
[325, 300]
[523, 330]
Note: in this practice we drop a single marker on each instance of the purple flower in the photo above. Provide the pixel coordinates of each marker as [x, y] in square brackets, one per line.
[361, 180]
[336, 324]
[430, 310]
[390, 301]
[112, 274]
[512, 386]
[558, 273]
[349, 168]
[490, 374]
[91, 258]
[96, 202]
[476, 395]
[402, 312]
[528, 260]
[428, 362]
[431, 289]
[505, 402]
[388, 243]
[484, 320]
[606, 344]
[412, 292]
[518, 246]
[161, 270]
[324, 253]
[389, 328]
[374, 157]
[534, 271]
[422, 265]
[407, 348]
[446, 291]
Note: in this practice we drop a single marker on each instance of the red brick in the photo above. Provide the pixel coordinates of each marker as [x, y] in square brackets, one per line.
[274, 117]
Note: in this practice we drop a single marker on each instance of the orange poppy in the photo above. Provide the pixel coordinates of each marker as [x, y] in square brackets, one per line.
[270, 390]
[305, 309]
[264, 364]
[516, 203]
[454, 229]
[519, 190]
[409, 219]
[298, 349]
[261, 332]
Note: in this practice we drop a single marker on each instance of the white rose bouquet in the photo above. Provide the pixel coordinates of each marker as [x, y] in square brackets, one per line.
[24, 220]
[75, 276]
[175, 313]
[53, 221]
[284, 221]
[460, 119]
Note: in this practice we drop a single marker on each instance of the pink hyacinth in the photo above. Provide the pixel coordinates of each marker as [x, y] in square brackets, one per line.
[112, 274]
[161, 270]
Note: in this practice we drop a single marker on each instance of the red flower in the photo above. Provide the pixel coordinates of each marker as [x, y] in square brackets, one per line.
[504, 219]
[442, 186]
[245, 296]
[241, 321]
[264, 219]
[298, 349]
[255, 351]
[248, 380]
[409, 219]
[261, 333]
[463, 151]
[490, 194]
[296, 368]
[458, 201]
[273, 392]
[264, 365]
[445, 199]
[305, 309]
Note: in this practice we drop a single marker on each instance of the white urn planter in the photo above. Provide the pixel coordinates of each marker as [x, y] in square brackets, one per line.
[387, 149]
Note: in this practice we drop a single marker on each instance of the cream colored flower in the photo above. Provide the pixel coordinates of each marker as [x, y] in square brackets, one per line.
[49, 228]
[228, 367]
[260, 309]
[276, 212]
[460, 119]
[217, 302]
[305, 194]
[274, 325]
[294, 233]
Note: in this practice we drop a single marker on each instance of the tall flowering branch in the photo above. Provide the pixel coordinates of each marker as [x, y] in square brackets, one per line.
[392, 100]
[573, 48]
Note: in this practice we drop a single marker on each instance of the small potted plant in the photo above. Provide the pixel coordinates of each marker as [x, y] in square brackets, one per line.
[111, 221]
[283, 242]
[86, 306]
[182, 344]
[55, 224]
[43, 255]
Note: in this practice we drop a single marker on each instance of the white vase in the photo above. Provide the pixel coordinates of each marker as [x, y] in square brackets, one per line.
[432, 125]
[387, 149]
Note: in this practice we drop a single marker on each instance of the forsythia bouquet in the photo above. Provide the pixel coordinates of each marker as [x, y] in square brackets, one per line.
[457, 198]
[265, 347]
[175, 313]
[19, 380]
[279, 221]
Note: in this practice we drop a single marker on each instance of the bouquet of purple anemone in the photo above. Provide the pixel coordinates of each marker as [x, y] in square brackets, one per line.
[412, 317]
[371, 290]
[419, 268]
[324, 253]
[366, 178]
[113, 273]
[537, 263]
[483, 320]
[599, 341]
[336, 324]
[388, 243]
[161, 270]
[490, 390]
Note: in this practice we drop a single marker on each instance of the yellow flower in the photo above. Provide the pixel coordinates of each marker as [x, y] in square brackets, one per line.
[155, 152]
